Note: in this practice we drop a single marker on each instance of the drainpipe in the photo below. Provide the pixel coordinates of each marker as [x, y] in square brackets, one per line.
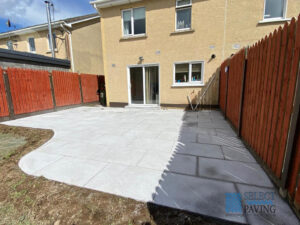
[71, 48]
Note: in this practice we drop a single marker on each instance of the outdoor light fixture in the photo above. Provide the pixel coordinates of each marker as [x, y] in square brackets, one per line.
[141, 58]
[213, 56]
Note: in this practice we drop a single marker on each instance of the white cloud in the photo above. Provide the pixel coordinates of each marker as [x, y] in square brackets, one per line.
[31, 12]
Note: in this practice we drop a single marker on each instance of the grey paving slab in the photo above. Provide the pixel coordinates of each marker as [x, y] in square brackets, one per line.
[217, 140]
[248, 173]
[186, 160]
[281, 212]
[203, 150]
[237, 154]
[196, 195]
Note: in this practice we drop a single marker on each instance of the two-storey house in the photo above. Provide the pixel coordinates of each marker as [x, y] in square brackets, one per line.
[158, 52]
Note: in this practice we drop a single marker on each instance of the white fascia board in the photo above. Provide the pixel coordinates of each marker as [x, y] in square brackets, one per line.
[100, 4]
[29, 30]
[84, 20]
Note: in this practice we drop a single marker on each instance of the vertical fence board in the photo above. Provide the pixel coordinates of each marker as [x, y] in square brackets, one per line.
[89, 86]
[4, 111]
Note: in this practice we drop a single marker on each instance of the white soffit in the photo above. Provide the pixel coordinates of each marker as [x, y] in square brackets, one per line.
[109, 3]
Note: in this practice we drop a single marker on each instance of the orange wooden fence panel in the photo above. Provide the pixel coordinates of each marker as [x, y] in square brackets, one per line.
[89, 86]
[4, 111]
[30, 90]
[235, 79]
[222, 86]
[66, 88]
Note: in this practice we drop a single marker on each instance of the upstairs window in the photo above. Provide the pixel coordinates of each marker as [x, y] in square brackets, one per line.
[54, 41]
[10, 45]
[275, 9]
[31, 44]
[183, 14]
[134, 21]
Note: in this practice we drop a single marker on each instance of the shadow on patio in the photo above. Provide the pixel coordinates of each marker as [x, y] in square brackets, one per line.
[208, 162]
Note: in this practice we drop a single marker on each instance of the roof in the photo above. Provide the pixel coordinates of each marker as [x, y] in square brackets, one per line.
[32, 58]
[55, 24]
[109, 3]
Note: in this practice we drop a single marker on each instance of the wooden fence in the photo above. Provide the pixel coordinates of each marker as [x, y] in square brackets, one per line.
[260, 94]
[89, 84]
[25, 91]
[66, 88]
[3, 98]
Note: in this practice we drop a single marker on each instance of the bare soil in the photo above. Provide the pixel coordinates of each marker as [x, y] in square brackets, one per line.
[35, 200]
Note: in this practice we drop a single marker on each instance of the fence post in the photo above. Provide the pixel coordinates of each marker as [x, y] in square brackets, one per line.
[242, 93]
[226, 91]
[8, 95]
[291, 131]
[80, 86]
[52, 89]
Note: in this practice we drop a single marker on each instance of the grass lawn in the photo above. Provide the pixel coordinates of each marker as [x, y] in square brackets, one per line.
[29, 200]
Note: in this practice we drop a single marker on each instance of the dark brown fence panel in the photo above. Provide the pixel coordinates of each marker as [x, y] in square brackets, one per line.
[234, 89]
[66, 88]
[30, 90]
[223, 85]
[4, 111]
[89, 86]
[294, 175]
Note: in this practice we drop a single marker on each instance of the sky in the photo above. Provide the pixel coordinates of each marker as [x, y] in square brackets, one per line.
[24, 13]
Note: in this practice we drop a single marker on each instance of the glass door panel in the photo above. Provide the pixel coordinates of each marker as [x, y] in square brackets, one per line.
[151, 85]
[137, 85]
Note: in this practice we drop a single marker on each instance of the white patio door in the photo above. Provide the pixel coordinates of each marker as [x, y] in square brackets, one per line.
[143, 85]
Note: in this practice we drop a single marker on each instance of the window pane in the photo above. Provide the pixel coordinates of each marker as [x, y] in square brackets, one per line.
[54, 40]
[31, 44]
[274, 8]
[183, 2]
[183, 18]
[10, 45]
[182, 73]
[196, 72]
[127, 29]
[139, 21]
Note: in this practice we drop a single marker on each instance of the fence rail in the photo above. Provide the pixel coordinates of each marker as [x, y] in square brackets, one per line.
[260, 95]
[27, 91]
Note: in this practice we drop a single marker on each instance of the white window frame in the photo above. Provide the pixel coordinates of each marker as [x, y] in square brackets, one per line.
[28, 44]
[12, 44]
[132, 23]
[190, 83]
[283, 18]
[182, 7]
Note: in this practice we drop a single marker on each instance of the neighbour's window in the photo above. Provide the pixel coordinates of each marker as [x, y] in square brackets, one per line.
[183, 14]
[134, 21]
[54, 41]
[274, 9]
[10, 45]
[188, 73]
[31, 44]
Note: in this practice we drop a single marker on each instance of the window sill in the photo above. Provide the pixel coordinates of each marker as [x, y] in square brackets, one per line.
[49, 51]
[188, 85]
[143, 36]
[186, 31]
[274, 20]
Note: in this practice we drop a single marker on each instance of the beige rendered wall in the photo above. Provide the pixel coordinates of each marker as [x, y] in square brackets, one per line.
[87, 47]
[41, 43]
[218, 25]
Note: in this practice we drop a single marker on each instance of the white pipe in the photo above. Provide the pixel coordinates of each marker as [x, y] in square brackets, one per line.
[71, 48]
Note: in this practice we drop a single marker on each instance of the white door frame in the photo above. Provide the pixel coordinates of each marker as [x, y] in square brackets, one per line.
[144, 83]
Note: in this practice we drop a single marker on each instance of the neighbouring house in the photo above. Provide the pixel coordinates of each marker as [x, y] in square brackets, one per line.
[77, 39]
[158, 52]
